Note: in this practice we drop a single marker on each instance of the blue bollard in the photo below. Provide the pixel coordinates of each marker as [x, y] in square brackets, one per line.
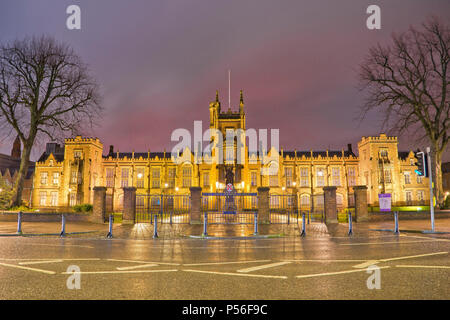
[255, 232]
[155, 227]
[205, 225]
[303, 225]
[63, 226]
[396, 231]
[350, 224]
[19, 222]
[111, 220]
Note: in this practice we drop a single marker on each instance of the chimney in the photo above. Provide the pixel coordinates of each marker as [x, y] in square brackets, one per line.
[111, 150]
[349, 148]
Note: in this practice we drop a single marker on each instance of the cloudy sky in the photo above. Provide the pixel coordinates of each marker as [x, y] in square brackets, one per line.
[160, 62]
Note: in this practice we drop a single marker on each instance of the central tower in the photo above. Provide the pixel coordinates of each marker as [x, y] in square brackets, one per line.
[224, 123]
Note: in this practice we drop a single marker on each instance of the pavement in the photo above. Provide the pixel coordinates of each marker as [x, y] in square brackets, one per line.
[277, 264]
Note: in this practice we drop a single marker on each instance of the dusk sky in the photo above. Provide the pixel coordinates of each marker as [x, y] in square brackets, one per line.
[160, 62]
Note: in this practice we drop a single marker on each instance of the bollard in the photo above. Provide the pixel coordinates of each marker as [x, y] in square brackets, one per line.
[170, 217]
[309, 216]
[255, 231]
[289, 219]
[63, 226]
[303, 225]
[155, 227]
[19, 222]
[111, 220]
[205, 225]
[350, 224]
[396, 231]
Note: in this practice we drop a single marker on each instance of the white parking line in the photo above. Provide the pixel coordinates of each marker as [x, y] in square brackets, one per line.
[387, 242]
[145, 262]
[237, 274]
[264, 266]
[416, 256]
[426, 267]
[220, 263]
[59, 245]
[137, 267]
[41, 261]
[371, 262]
[366, 264]
[326, 260]
[122, 271]
[27, 268]
[333, 273]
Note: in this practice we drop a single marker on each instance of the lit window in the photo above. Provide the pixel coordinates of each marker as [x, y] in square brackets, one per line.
[55, 178]
[288, 176]
[351, 176]
[336, 174]
[54, 198]
[407, 177]
[42, 198]
[304, 177]
[44, 176]
[320, 177]
[109, 177]
[140, 178]
[156, 178]
[125, 176]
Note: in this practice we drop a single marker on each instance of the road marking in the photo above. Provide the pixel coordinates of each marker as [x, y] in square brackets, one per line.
[220, 263]
[427, 267]
[236, 274]
[324, 260]
[386, 242]
[333, 273]
[416, 256]
[40, 261]
[371, 262]
[27, 268]
[422, 237]
[59, 245]
[264, 266]
[136, 267]
[121, 271]
[366, 264]
[146, 262]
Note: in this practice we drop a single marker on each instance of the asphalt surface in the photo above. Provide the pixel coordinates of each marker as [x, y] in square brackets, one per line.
[326, 264]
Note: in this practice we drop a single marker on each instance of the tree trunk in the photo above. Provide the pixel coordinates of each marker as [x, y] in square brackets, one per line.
[16, 199]
[436, 169]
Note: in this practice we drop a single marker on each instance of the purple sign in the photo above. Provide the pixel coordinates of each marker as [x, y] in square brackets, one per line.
[385, 202]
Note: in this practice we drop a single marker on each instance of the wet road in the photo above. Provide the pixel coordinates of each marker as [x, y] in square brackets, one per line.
[412, 266]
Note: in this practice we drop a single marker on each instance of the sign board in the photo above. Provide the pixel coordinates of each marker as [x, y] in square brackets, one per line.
[385, 201]
[229, 187]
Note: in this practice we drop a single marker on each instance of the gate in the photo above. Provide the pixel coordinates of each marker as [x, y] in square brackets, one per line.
[169, 208]
[229, 208]
[283, 209]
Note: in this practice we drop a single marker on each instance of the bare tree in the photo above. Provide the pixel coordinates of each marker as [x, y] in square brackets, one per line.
[45, 89]
[409, 80]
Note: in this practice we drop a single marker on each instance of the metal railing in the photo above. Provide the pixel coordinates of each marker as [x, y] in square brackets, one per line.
[169, 208]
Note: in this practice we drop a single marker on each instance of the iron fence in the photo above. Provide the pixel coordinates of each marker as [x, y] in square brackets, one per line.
[169, 208]
[229, 208]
